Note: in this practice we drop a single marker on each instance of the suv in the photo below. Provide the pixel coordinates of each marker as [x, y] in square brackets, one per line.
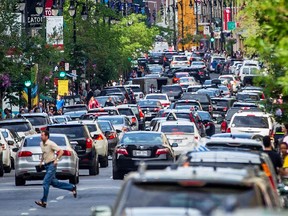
[74, 108]
[173, 92]
[82, 142]
[203, 99]
[22, 126]
[221, 106]
[39, 121]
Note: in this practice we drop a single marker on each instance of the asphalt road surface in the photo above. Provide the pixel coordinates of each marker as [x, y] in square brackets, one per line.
[92, 190]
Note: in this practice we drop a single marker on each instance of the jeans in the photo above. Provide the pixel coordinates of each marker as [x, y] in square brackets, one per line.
[50, 179]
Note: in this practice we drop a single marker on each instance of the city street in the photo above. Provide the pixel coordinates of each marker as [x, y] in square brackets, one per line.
[92, 190]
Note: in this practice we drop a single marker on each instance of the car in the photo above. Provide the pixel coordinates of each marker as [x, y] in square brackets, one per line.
[252, 122]
[137, 146]
[203, 98]
[178, 75]
[207, 121]
[184, 133]
[233, 83]
[29, 156]
[163, 98]
[199, 73]
[137, 91]
[6, 154]
[138, 113]
[214, 61]
[247, 97]
[82, 142]
[14, 141]
[225, 92]
[198, 63]
[248, 71]
[155, 58]
[39, 121]
[75, 107]
[187, 104]
[181, 191]
[179, 61]
[127, 111]
[193, 88]
[150, 108]
[101, 141]
[173, 92]
[189, 81]
[120, 122]
[233, 66]
[221, 106]
[102, 100]
[241, 136]
[22, 126]
[110, 133]
[59, 119]
[76, 115]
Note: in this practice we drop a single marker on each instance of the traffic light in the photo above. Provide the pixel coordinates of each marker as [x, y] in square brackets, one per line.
[61, 69]
[212, 39]
[62, 74]
[27, 83]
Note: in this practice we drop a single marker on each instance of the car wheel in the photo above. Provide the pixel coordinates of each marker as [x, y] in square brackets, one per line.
[19, 181]
[104, 162]
[97, 166]
[93, 168]
[117, 174]
[12, 163]
[1, 168]
[7, 169]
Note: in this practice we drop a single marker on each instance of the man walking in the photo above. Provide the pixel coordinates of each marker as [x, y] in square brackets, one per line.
[50, 160]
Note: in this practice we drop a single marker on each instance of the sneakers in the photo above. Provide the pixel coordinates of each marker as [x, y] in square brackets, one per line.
[74, 191]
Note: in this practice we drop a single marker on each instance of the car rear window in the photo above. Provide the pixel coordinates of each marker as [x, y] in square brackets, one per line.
[142, 138]
[188, 105]
[252, 97]
[113, 121]
[205, 116]
[202, 98]
[105, 126]
[180, 59]
[16, 126]
[179, 75]
[250, 121]
[221, 103]
[74, 108]
[192, 89]
[157, 97]
[171, 88]
[127, 112]
[144, 103]
[91, 127]
[177, 129]
[71, 131]
[35, 141]
[37, 120]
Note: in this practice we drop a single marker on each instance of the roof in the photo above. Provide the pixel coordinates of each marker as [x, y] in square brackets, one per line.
[14, 120]
[35, 114]
[252, 113]
[178, 122]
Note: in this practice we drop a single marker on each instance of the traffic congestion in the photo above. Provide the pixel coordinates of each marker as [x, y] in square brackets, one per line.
[188, 134]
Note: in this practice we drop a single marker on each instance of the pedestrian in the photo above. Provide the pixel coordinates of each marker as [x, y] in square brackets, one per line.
[93, 103]
[59, 102]
[90, 94]
[274, 156]
[50, 160]
[109, 102]
[8, 113]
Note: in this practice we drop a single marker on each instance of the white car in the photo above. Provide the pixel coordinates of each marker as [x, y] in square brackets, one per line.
[188, 81]
[100, 141]
[198, 63]
[234, 83]
[184, 133]
[248, 71]
[258, 123]
[232, 68]
[163, 98]
[250, 63]
[6, 155]
[179, 61]
[136, 90]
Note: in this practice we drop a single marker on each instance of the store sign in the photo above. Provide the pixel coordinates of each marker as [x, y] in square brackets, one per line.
[33, 19]
[54, 30]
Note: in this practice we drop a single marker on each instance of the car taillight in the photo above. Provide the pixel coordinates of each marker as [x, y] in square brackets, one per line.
[156, 109]
[228, 130]
[66, 153]
[133, 119]
[89, 143]
[175, 80]
[162, 151]
[268, 174]
[99, 137]
[196, 137]
[224, 126]
[165, 104]
[207, 124]
[122, 151]
[43, 128]
[225, 109]
[25, 154]
[201, 73]
[112, 135]
[262, 96]
[210, 108]
[3, 146]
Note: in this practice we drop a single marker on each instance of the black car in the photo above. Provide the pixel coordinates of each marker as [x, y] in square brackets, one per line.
[207, 121]
[155, 58]
[173, 92]
[150, 108]
[85, 147]
[204, 100]
[221, 106]
[134, 147]
[74, 108]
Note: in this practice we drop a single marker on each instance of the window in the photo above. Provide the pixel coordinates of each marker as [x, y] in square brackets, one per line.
[35, 141]
[177, 128]
[37, 120]
[142, 138]
[157, 97]
[180, 59]
[16, 126]
[92, 127]
[171, 88]
[105, 126]
[72, 132]
[250, 121]
[127, 112]
[113, 121]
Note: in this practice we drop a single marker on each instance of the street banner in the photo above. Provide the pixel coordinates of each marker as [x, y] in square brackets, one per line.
[227, 17]
[63, 89]
[48, 8]
[197, 7]
[54, 31]
[206, 30]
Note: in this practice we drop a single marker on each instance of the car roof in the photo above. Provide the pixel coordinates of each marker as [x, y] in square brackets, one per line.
[35, 114]
[178, 122]
[252, 114]
[14, 120]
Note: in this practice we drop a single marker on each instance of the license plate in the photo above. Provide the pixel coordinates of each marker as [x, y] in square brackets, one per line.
[141, 153]
[177, 141]
[148, 115]
[171, 98]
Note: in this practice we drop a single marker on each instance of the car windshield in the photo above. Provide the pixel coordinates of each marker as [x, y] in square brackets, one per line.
[59, 119]
[177, 129]
[113, 121]
[144, 103]
[136, 89]
[174, 195]
[127, 112]
[16, 126]
[221, 103]
[142, 138]
[105, 126]
[92, 127]
[171, 89]
[205, 116]
[71, 131]
[180, 58]
[37, 120]
[179, 75]
[191, 89]
[250, 121]
[198, 63]
[252, 97]
[102, 100]
[74, 108]
[157, 97]
[35, 141]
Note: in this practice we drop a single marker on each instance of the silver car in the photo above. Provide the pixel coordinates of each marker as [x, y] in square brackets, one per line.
[29, 156]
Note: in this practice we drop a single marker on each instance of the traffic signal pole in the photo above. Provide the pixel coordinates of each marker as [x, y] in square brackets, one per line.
[29, 98]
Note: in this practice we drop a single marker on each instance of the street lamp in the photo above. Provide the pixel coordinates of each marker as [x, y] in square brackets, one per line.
[39, 7]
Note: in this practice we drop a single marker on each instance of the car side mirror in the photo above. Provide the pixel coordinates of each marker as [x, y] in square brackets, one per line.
[101, 211]
[11, 142]
[15, 149]
[118, 131]
[174, 145]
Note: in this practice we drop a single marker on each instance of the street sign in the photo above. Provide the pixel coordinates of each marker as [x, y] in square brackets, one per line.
[217, 29]
[231, 25]
[206, 30]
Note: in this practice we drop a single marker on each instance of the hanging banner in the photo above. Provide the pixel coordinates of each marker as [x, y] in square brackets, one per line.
[63, 89]
[54, 31]
[48, 8]
[227, 18]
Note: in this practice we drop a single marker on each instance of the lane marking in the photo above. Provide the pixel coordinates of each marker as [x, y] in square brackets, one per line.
[32, 209]
[60, 198]
[24, 213]
[53, 201]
